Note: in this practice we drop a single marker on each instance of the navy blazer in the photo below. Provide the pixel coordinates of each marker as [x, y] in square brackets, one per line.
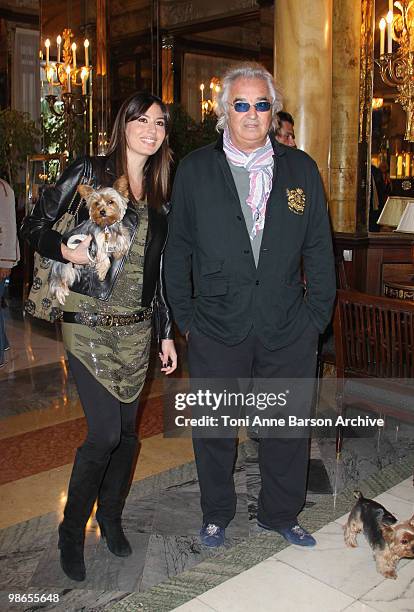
[211, 278]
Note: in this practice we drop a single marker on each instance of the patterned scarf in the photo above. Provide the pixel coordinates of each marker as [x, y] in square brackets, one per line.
[259, 165]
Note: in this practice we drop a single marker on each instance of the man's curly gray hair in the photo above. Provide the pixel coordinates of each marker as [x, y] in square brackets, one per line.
[247, 70]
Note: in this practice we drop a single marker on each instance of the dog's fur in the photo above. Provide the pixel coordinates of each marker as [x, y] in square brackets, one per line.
[400, 545]
[107, 207]
[389, 541]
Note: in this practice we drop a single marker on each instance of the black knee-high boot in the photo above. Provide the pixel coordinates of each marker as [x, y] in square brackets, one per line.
[83, 489]
[113, 493]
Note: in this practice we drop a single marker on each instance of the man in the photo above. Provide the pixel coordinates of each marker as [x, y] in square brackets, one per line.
[285, 133]
[246, 211]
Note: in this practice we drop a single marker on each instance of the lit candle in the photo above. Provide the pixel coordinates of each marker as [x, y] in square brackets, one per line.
[84, 76]
[51, 77]
[399, 166]
[86, 45]
[389, 31]
[213, 92]
[74, 55]
[393, 166]
[48, 77]
[382, 25]
[202, 101]
[68, 78]
[59, 42]
[407, 164]
[47, 45]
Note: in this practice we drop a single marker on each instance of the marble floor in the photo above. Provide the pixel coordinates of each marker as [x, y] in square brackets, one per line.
[32, 343]
[41, 425]
[329, 577]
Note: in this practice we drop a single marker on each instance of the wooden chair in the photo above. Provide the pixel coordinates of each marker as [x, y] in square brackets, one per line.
[374, 340]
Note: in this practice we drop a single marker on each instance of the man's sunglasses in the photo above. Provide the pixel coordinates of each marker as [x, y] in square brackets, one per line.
[243, 107]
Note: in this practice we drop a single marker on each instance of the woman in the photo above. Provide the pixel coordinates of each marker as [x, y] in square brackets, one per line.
[108, 355]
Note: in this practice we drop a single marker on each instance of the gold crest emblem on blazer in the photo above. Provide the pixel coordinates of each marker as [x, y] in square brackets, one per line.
[296, 200]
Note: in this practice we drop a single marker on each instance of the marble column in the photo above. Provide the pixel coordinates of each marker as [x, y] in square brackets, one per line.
[303, 69]
[346, 29]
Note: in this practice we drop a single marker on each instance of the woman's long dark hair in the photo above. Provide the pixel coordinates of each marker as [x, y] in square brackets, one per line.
[156, 179]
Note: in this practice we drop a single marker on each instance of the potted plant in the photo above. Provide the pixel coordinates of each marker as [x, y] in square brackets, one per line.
[18, 139]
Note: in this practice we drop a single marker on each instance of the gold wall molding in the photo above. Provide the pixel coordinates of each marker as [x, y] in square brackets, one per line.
[175, 12]
[365, 115]
[366, 70]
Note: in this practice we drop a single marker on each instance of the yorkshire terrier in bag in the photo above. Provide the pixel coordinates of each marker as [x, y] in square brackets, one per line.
[107, 207]
[390, 541]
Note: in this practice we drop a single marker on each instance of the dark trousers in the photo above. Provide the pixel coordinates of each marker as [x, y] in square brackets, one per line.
[283, 462]
[107, 417]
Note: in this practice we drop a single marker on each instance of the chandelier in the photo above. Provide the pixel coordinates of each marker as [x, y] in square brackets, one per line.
[397, 66]
[70, 79]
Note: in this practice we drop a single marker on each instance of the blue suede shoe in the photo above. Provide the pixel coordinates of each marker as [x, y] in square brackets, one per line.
[294, 535]
[212, 535]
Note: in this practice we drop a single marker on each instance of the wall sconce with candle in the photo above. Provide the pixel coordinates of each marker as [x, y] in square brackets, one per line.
[397, 66]
[209, 104]
[71, 81]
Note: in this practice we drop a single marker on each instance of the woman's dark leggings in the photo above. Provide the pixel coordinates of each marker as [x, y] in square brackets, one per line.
[108, 418]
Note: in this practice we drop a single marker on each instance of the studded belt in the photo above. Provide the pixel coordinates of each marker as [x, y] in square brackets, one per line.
[107, 320]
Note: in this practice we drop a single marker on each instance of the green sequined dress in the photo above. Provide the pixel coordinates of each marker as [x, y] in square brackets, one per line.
[116, 356]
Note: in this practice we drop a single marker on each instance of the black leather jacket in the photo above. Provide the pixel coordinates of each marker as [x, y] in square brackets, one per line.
[54, 202]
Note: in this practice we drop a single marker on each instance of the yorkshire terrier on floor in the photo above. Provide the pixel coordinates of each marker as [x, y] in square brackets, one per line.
[389, 541]
[400, 545]
[107, 207]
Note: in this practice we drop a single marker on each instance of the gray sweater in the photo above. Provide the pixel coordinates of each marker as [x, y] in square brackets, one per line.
[242, 180]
